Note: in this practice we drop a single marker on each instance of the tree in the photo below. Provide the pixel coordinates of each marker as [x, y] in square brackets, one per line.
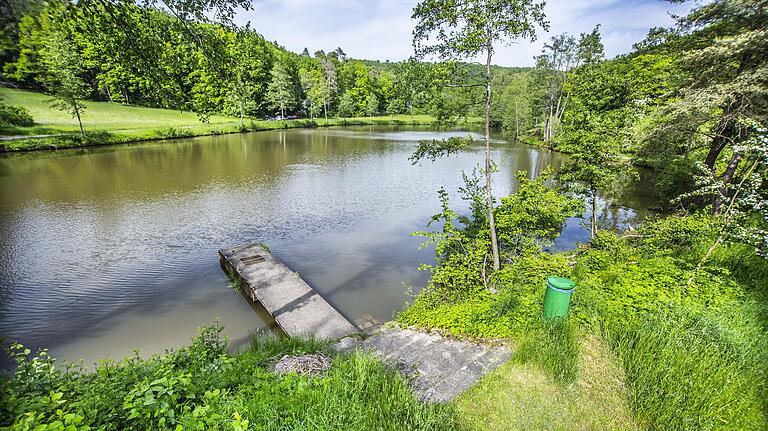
[724, 66]
[596, 134]
[248, 74]
[63, 76]
[329, 72]
[745, 218]
[559, 57]
[372, 105]
[465, 30]
[593, 164]
[513, 107]
[339, 54]
[11, 13]
[356, 79]
[317, 91]
[528, 220]
[281, 92]
[346, 105]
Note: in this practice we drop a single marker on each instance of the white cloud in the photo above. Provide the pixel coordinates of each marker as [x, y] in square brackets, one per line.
[381, 29]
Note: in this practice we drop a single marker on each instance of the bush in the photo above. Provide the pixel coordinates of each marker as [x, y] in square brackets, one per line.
[678, 177]
[509, 313]
[15, 116]
[203, 387]
[679, 235]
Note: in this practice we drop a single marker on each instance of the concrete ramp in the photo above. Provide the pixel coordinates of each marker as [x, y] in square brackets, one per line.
[438, 368]
[296, 307]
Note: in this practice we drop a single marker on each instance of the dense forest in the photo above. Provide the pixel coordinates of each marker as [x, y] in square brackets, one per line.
[131, 54]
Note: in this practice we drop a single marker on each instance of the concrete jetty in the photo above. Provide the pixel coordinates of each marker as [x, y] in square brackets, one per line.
[296, 307]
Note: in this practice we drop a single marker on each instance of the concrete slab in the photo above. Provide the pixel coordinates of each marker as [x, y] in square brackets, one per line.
[297, 308]
[439, 368]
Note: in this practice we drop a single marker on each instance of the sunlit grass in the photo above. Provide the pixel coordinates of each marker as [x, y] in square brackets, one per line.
[698, 371]
[98, 116]
[108, 123]
[525, 396]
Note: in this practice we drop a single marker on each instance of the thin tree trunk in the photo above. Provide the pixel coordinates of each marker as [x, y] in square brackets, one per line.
[726, 222]
[488, 165]
[557, 114]
[730, 170]
[717, 147]
[593, 227]
[517, 122]
[79, 121]
[565, 105]
[109, 94]
[242, 111]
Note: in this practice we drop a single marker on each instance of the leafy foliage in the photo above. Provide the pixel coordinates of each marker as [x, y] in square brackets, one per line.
[533, 217]
[449, 31]
[438, 148]
[11, 115]
[203, 387]
[694, 356]
[459, 297]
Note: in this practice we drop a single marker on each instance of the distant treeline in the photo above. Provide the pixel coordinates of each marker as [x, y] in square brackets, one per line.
[148, 56]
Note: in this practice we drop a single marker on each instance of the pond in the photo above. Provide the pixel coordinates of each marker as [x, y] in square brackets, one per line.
[113, 249]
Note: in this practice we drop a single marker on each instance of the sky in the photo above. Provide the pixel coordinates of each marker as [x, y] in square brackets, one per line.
[381, 29]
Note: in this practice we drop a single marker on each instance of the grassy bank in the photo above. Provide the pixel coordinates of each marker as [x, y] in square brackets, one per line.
[112, 123]
[203, 387]
[667, 356]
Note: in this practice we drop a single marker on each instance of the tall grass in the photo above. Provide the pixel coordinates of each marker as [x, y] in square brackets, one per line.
[697, 371]
[359, 393]
[554, 346]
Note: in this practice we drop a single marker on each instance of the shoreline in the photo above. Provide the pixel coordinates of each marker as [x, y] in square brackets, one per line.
[23, 145]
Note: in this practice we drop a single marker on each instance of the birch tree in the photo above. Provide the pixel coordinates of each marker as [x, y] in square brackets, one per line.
[560, 56]
[467, 29]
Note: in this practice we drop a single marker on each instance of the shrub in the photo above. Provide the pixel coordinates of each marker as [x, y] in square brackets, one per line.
[678, 235]
[203, 387]
[15, 116]
[678, 177]
[509, 313]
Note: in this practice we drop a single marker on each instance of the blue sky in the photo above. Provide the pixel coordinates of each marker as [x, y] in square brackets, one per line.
[381, 29]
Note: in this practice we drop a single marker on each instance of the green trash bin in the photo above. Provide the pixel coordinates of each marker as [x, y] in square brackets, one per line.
[557, 298]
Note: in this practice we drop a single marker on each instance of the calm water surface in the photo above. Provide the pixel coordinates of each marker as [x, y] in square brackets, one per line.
[109, 250]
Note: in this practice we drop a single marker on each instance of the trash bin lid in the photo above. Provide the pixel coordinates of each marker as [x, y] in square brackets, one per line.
[561, 283]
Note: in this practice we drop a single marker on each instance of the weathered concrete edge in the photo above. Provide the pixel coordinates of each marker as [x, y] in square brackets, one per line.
[226, 258]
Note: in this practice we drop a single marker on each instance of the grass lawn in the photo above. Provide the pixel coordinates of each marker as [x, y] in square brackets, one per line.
[525, 397]
[108, 123]
[98, 116]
